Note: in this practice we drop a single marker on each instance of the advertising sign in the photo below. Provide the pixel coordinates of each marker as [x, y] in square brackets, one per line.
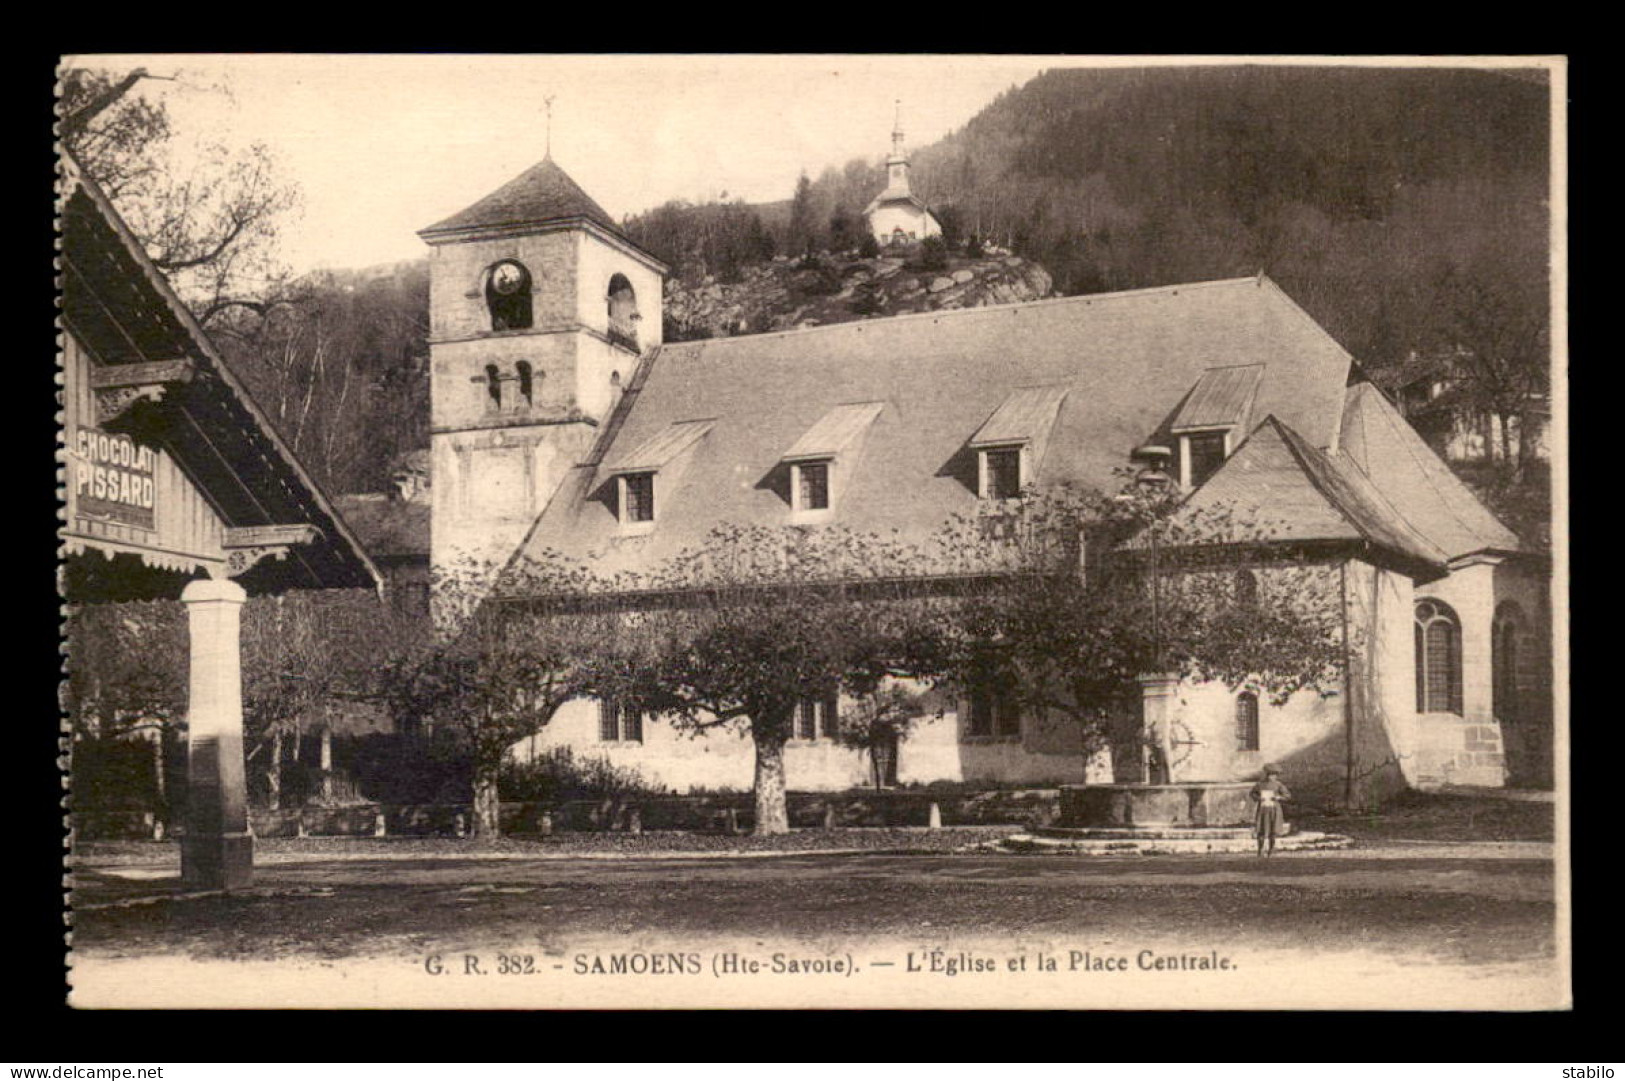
[113, 479]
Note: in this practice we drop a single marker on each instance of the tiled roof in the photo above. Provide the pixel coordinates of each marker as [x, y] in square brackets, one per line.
[1421, 487]
[541, 194]
[1222, 398]
[1300, 493]
[1126, 359]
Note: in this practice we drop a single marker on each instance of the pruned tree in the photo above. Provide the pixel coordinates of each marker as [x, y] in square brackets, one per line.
[741, 630]
[495, 672]
[1070, 611]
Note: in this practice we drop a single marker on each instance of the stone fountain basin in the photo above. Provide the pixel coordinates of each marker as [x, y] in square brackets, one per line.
[1185, 804]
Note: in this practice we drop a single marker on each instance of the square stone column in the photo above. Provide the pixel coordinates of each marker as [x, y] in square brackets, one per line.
[217, 852]
[1157, 691]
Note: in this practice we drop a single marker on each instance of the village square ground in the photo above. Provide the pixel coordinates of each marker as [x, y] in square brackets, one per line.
[1453, 922]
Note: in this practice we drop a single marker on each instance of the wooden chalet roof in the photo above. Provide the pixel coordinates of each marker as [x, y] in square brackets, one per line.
[1126, 361]
[122, 310]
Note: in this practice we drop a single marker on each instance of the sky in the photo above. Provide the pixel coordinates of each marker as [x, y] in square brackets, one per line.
[382, 146]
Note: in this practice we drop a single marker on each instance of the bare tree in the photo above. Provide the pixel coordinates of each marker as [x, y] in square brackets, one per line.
[207, 216]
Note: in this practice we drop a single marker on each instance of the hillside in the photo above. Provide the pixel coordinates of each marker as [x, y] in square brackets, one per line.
[1390, 203]
[782, 294]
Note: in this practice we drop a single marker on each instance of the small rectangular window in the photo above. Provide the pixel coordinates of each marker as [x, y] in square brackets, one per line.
[639, 492]
[1006, 716]
[1247, 721]
[829, 715]
[807, 719]
[981, 714]
[1002, 473]
[814, 488]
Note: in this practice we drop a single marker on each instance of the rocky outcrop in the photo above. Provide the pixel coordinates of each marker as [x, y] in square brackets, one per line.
[785, 294]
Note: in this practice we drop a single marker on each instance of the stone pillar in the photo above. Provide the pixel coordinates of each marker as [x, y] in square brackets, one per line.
[217, 852]
[1157, 691]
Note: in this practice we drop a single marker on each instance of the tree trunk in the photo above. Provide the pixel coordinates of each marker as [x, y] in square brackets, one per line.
[273, 774]
[487, 802]
[327, 765]
[158, 764]
[772, 808]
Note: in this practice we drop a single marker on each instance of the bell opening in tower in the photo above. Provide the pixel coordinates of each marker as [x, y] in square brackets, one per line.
[507, 296]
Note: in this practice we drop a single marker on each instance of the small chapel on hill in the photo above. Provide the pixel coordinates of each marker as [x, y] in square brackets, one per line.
[897, 216]
[562, 423]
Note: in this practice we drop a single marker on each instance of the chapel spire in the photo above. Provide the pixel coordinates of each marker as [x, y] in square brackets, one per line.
[897, 163]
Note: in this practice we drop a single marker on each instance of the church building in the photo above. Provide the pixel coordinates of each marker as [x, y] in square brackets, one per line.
[562, 424]
[897, 215]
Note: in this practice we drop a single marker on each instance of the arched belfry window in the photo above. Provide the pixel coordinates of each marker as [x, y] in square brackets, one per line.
[1438, 658]
[507, 295]
[1506, 642]
[493, 387]
[527, 382]
[623, 310]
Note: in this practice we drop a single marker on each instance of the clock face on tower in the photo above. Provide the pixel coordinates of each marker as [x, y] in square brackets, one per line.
[507, 278]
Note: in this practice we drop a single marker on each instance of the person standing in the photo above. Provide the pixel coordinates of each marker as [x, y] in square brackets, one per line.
[1268, 821]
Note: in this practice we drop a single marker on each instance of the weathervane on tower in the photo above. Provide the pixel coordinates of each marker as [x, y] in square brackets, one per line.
[547, 104]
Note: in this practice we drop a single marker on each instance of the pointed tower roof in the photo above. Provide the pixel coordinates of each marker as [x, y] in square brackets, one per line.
[544, 194]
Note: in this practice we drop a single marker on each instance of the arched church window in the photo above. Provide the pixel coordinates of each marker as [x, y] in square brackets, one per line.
[1506, 635]
[526, 381]
[1438, 658]
[507, 296]
[1246, 589]
[623, 310]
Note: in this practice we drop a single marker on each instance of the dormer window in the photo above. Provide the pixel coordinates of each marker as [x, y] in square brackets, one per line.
[507, 296]
[1212, 418]
[637, 498]
[1010, 445]
[646, 477]
[1204, 453]
[1002, 472]
[825, 457]
[811, 486]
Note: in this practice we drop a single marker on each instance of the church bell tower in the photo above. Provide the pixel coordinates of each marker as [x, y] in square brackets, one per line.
[539, 309]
